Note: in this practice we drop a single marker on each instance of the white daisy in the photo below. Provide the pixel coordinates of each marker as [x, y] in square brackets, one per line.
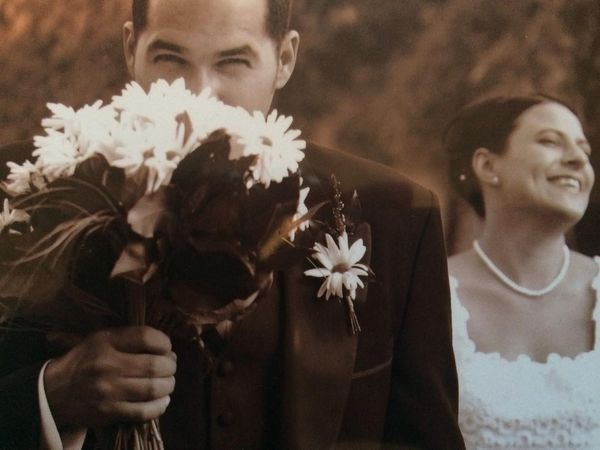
[57, 155]
[159, 128]
[128, 153]
[277, 149]
[160, 170]
[88, 127]
[340, 267]
[163, 102]
[157, 149]
[21, 177]
[9, 216]
[207, 114]
[72, 137]
[300, 212]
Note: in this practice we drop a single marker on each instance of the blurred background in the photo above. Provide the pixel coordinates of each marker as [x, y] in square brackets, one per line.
[378, 78]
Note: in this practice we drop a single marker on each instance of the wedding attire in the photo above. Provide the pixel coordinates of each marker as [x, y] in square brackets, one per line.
[292, 375]
[524, 404]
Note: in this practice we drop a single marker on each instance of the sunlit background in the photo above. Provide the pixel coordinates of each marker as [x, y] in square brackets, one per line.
[378, 78]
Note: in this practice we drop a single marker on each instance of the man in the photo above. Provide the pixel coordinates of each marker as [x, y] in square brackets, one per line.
[291, 375]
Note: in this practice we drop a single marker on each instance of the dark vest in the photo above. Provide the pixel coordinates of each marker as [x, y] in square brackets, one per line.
[237, 404]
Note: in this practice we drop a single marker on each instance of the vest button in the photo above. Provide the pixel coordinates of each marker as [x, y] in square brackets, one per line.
[225, 368]
[225, 419]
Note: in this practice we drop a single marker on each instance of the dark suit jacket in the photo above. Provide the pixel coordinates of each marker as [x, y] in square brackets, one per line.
[393, 385]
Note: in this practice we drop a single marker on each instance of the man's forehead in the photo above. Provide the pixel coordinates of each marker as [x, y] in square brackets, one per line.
[208, 15]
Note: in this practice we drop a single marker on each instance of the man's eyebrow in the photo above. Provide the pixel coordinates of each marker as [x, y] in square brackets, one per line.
[159, 44]
[243, 50]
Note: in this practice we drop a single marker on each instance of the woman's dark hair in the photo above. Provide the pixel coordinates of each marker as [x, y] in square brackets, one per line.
[484, 124]
[277, 21]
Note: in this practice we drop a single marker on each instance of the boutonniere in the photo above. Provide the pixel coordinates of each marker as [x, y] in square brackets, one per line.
[340, 263]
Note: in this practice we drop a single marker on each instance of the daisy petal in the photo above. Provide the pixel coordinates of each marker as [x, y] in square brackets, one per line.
[319, 273]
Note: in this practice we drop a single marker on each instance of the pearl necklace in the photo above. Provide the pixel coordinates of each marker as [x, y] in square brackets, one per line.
[517, 287]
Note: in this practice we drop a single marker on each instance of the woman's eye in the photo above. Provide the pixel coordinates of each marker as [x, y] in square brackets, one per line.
[549, 141]
[169, 57]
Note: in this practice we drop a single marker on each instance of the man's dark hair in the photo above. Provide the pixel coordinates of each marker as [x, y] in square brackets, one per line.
[278, 18]
[484, 124]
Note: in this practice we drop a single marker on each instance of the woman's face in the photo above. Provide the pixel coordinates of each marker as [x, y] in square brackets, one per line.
[545, 166]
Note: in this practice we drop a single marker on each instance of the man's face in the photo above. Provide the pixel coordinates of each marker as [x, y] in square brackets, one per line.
[221, 44]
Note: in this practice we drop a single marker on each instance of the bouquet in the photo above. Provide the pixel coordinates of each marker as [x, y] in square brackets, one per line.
[156, 192]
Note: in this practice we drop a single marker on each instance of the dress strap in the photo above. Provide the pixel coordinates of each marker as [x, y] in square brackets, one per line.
[461, 341]
[596, 313]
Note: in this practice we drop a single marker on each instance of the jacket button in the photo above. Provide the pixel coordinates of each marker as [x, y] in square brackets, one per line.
[225, 368]
[225, 419]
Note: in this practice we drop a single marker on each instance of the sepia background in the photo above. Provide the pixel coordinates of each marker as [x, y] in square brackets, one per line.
[378, 78]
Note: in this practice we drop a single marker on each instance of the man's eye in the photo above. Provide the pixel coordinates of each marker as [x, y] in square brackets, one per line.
[169, 57]
[234, 62]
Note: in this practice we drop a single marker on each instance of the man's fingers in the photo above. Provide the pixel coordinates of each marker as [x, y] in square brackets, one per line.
[144, 389]
[138, 411]
[140, 340]
[145, 366]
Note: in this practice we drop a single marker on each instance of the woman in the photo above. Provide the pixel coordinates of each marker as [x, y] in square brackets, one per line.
[524, 305]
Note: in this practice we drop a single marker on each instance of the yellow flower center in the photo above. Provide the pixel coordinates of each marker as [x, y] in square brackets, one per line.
[266, 141]
[341, 268]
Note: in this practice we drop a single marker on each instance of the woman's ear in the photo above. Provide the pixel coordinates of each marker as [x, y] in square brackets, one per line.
[485, 166]
[288, 52]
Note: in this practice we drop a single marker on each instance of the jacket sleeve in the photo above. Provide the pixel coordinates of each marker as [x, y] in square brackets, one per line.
[21, 357]
[20, 364]
[423, 403]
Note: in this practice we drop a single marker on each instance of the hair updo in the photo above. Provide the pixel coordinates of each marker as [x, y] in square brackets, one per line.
[484, 124]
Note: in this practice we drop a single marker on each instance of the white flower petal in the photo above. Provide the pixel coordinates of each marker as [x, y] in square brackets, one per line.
[319, 272]
[357, 251]
[343, 243]
[333, 250]
[359, 271]
[337, 284]
[325, 260]
[324, 289]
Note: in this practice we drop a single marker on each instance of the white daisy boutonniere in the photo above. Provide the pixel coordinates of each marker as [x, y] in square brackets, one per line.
[339, 264]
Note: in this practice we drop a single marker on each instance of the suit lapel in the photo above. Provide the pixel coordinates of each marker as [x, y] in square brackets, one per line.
[320, 351]
[318, 363]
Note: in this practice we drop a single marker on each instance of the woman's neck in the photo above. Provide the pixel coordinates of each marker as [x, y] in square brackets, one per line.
[529, 253]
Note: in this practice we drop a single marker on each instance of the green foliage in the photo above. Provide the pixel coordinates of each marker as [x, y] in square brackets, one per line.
[378, 78]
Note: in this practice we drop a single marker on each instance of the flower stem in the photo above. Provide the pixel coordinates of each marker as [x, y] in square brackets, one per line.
[354, 325]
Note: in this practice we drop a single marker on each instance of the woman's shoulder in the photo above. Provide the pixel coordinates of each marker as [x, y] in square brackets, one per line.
[464, 266]
[584, 269]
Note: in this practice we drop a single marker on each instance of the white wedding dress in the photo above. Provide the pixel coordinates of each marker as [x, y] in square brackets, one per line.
[523, 404]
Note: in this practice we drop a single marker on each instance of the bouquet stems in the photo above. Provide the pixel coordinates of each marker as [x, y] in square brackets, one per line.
[139, 436]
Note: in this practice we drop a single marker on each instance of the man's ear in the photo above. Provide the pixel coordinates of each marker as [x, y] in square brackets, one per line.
[129, 45]
[288, 52]
[485, 166]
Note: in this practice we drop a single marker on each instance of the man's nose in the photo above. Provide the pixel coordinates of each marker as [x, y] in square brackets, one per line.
[203, 79]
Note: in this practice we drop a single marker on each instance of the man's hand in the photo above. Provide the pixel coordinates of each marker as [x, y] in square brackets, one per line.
[117, 375]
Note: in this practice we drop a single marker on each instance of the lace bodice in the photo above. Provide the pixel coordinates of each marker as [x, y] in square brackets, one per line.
[524, 404]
